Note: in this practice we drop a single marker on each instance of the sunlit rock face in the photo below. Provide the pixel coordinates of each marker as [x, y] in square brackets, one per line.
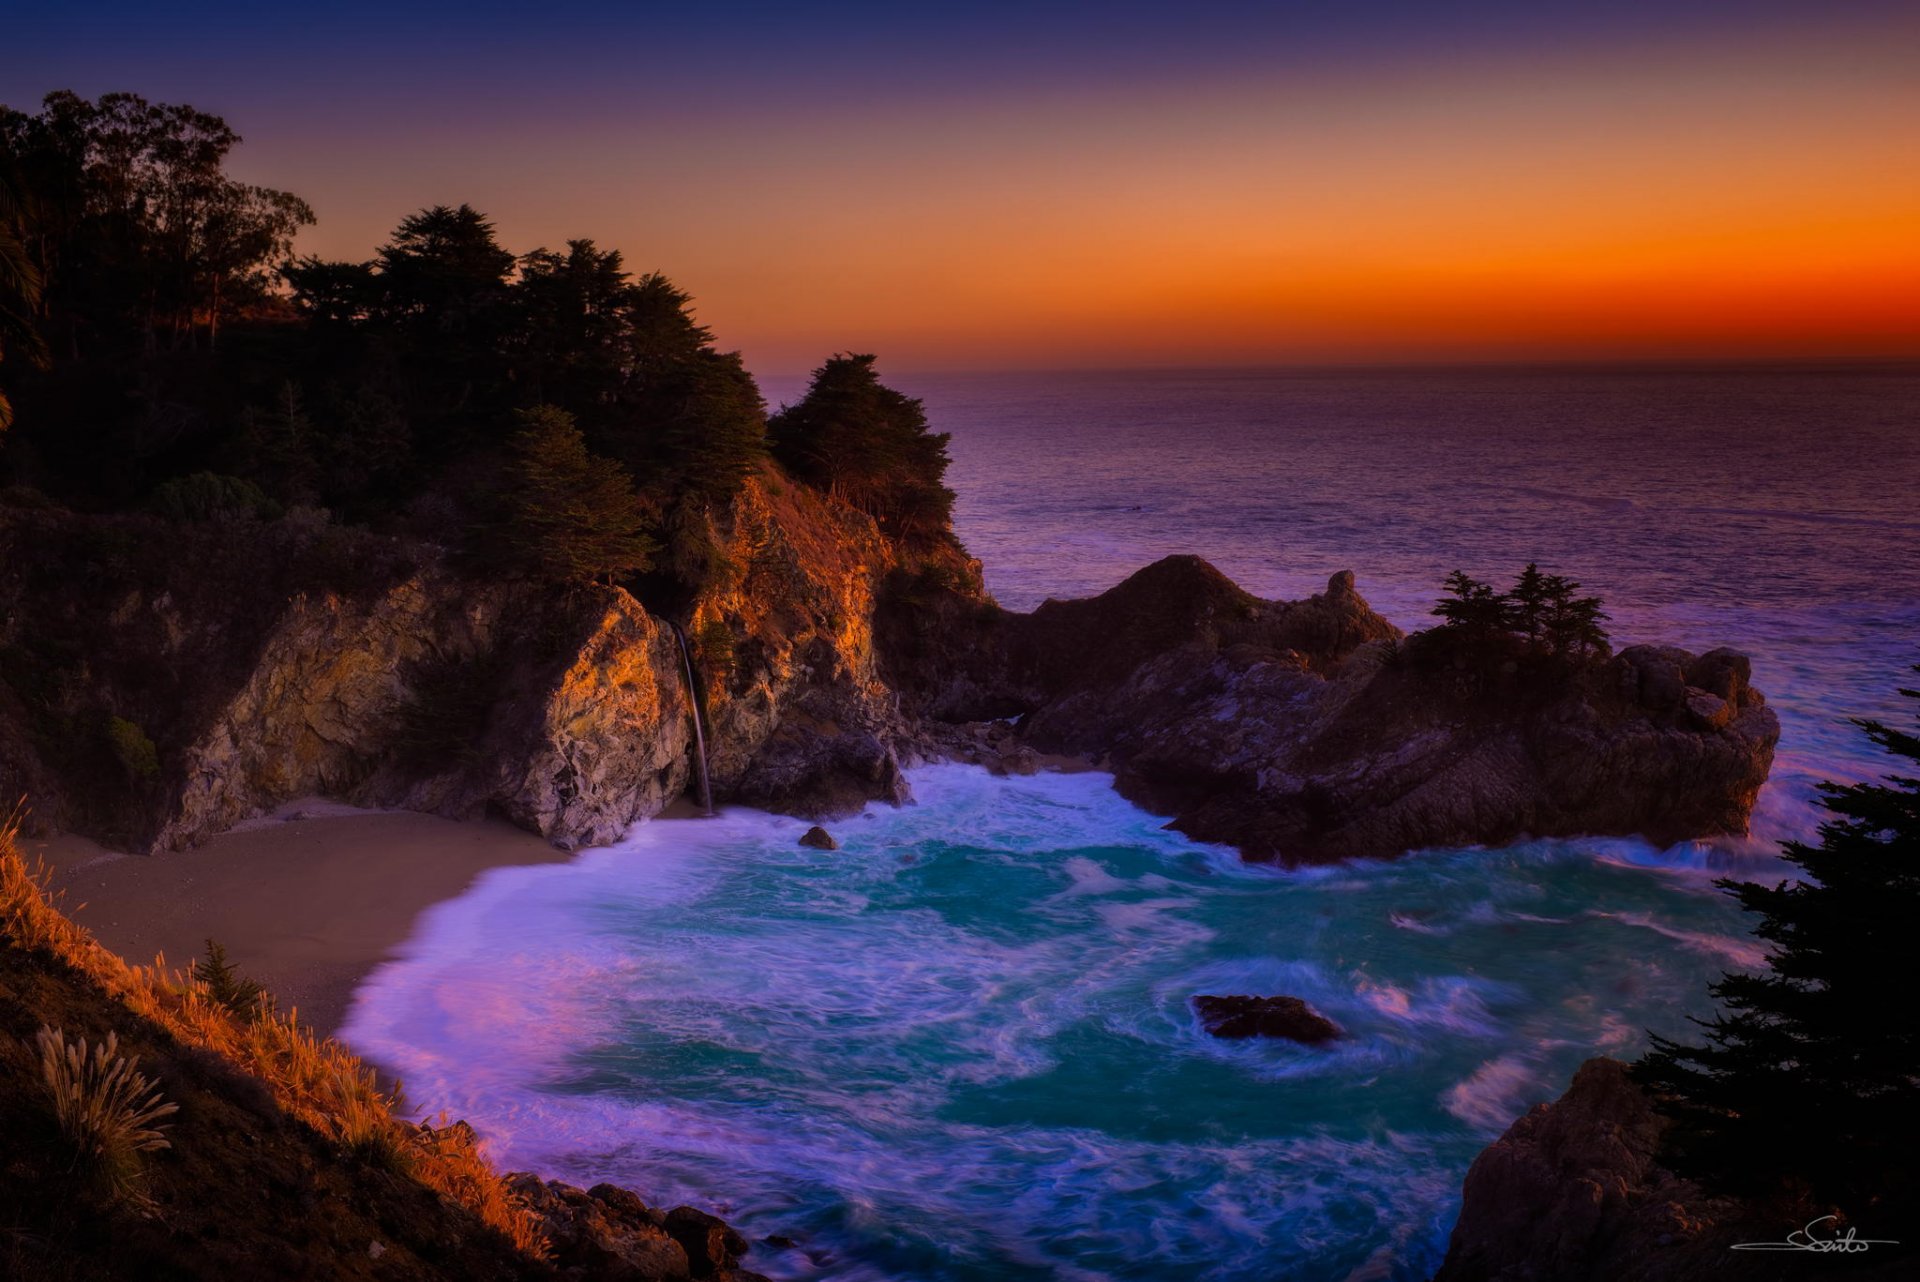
[262, 670]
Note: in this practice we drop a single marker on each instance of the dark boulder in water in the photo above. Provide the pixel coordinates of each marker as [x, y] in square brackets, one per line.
[1240, 1016]
[819, 838]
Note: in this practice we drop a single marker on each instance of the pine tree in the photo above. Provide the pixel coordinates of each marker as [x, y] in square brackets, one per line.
[1471, 605]
[574, 518]
[1810, 1075]
[227, 985]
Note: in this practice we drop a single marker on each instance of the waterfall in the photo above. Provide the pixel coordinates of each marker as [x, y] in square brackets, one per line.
[699, 734]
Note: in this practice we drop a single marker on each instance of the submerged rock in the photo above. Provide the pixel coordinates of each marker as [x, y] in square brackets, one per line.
[819, 838]
[1240, 1016]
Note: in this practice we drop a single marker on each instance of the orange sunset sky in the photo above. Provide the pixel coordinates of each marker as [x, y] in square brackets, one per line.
[1653, 189]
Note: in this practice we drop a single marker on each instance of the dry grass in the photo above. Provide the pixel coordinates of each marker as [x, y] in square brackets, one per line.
[106, 1109]
[314, 1079]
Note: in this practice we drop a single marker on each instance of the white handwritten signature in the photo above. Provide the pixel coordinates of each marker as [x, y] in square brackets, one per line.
[1803, 1239]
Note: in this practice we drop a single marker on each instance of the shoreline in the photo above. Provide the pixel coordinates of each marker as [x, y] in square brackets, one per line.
[307, 900]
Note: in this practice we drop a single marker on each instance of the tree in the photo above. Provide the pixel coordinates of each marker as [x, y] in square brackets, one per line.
[19, 292]
[868, 445]
[1472, 606]
[1541, 608]
[443, 262]
[140, 229]
[227, 986]
[574, 518]
[1811, 1071]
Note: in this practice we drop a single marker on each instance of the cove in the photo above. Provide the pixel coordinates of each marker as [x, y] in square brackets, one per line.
[961, 1047]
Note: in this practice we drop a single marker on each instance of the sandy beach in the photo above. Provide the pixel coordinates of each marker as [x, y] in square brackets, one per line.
[307, 900]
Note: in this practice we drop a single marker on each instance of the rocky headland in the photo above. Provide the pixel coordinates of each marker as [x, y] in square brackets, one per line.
[196, 674]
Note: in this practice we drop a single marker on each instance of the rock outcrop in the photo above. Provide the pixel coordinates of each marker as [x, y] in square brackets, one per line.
[607, 1234]
[1312, 731]
[1239, 1016]
[1575, 1192]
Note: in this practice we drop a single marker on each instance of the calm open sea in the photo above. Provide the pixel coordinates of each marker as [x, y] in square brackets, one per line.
[960, 1048]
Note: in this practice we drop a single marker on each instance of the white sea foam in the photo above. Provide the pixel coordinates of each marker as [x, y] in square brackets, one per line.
[963, 1046]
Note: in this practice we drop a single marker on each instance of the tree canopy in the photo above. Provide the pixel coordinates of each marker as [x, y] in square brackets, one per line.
[159, 342]
[869, 445]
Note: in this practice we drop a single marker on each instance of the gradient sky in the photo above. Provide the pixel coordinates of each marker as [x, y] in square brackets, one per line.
[1102, 184]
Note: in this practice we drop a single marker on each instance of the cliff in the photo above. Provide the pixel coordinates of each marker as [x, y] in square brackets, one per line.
[1575, 1192]
[159, 682]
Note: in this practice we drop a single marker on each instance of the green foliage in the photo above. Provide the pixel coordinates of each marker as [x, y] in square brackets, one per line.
[107, 1111]
[868, 445]
[1808, 1073]
[713, 647]
[134, 750]
[227, 986]
[207, 496]
[574, 518]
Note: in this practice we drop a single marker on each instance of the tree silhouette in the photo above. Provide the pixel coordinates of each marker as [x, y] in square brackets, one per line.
[1811, 1072]
[868, 445]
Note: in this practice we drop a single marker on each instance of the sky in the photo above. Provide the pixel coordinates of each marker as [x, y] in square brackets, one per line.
[1097, 185]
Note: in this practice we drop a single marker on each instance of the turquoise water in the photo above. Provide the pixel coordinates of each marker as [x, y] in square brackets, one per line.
[961, 1047]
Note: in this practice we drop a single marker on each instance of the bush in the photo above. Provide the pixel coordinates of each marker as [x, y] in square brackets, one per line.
[135, 751]
[208, 496]
[106, 1109]
[713, 649]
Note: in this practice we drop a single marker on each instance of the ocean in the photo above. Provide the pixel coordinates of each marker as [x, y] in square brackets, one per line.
[960, 1048]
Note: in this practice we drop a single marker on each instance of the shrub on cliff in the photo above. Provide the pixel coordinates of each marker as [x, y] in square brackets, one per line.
[863, 442]
[1810, 1075]
[573, 518]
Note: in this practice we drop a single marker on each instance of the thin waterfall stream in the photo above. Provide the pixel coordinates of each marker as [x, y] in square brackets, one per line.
[699, 732]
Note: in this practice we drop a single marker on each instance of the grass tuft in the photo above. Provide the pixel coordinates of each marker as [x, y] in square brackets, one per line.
[107, 1110]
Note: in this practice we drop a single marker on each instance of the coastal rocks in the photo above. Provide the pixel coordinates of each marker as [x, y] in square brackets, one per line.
[1311, 731]
[818, 838]
[711, 1246]
[1285, 1017]
[1575, 1192]
[607, 1234]
[219, 670]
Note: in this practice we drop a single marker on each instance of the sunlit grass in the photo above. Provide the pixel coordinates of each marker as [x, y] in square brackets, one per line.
[314, 1079]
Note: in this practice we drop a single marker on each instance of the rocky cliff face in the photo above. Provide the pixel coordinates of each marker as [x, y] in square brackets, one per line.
[208, 673]
[194, 675]
[1574, 1192]
[1312, 731]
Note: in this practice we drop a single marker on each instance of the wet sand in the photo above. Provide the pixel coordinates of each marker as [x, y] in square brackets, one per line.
[306, 901]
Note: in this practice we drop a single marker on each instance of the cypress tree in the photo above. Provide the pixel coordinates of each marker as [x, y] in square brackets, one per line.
[1810, 1074]
[574, 518]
